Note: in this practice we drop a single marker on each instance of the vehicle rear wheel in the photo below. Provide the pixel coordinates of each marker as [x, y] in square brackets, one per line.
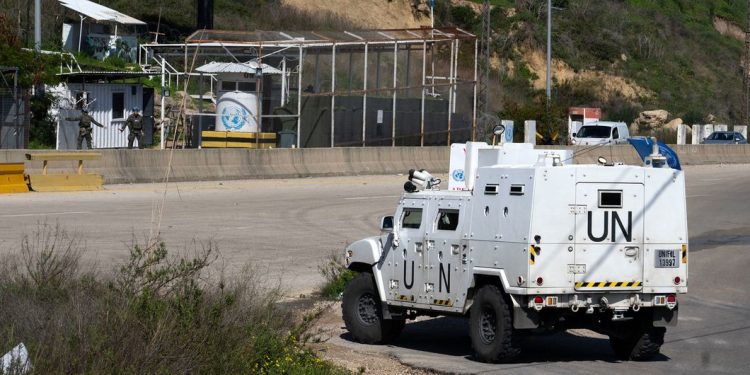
[363, 315]
[642, 345]
[491, 327]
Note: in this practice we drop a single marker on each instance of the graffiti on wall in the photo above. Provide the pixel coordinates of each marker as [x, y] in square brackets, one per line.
[103, 46]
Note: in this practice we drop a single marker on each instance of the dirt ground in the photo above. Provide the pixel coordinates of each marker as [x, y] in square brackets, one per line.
[328, 339]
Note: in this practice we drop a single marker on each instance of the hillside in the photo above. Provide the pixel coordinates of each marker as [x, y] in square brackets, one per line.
[622, 55]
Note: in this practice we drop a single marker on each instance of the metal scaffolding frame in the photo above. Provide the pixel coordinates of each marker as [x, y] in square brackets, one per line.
[291, 46]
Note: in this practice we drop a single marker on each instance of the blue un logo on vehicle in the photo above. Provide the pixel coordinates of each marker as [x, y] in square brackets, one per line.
[458, 175]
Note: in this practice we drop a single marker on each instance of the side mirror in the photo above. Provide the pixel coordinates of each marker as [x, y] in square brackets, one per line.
[574, 134]
[386, 223]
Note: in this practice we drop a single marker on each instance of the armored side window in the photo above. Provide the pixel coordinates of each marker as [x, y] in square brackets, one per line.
[411, 218]
[447, 220]
[610, 198]
[491, 189]
[517, 189]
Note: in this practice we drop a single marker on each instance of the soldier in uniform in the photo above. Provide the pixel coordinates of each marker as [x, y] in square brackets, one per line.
[134, 123]
[84, 127]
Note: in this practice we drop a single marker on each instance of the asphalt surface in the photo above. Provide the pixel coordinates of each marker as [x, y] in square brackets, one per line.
[287, 228]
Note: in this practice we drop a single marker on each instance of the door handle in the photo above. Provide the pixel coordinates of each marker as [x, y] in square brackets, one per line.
[631, 251]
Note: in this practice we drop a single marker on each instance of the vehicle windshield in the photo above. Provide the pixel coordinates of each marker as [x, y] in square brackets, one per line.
[716, 136]
[594, 132]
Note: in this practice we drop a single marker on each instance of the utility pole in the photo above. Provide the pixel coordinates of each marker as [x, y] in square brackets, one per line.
[484, 62]
[38, 25]
[549, 58]
[746, 70]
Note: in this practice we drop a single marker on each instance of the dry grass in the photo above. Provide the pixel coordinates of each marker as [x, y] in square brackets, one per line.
[155, 314]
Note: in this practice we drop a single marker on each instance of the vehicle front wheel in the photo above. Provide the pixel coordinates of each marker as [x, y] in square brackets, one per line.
[491, 327]
[363, 314]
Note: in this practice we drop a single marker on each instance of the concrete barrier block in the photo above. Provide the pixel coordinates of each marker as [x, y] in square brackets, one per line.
[681, 134]
[721, 127]
[697, 135]
[507, 137]
[707, 130]
[131, 166]
[742, 129]
[529, 131]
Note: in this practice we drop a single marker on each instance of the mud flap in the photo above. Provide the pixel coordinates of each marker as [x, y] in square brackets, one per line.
[664, 317]
[524, 318]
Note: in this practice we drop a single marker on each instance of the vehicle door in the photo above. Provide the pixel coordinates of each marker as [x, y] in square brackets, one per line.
[615, 135]
[445, 251]
[409, 255]
[609, 236]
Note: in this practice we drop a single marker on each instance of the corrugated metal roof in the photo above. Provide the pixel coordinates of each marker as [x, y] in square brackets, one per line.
[224, 67]
[294, 38]
[100, 13]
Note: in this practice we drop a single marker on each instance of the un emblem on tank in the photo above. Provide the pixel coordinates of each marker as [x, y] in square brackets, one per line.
[234, 117]
[458, 175]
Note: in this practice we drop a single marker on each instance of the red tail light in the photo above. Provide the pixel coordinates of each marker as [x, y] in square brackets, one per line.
[671, 298]
[539, 281]
[677, 280]
[538, 300]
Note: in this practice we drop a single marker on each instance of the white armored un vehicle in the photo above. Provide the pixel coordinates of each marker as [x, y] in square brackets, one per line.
[529, 243]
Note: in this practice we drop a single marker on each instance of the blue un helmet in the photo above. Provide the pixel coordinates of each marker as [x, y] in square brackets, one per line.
[84, 110]
[136, 109]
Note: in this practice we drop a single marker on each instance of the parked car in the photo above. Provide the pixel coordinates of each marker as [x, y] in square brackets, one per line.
[602, 132]
[725, 138]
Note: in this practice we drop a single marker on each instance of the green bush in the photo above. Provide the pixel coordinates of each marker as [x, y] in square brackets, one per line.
[157, 313]
[336, 275]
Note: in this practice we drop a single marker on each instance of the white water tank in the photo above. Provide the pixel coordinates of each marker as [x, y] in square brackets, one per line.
[236, 112]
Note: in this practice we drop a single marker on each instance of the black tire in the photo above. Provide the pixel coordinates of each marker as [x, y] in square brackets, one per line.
[491, 327]
[363, 314]
[642, 345]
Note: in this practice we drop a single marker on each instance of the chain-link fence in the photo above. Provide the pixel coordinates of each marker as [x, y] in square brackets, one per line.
[14, 118]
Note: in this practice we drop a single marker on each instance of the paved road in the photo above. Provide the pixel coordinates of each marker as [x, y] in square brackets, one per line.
[288, 227]
[285, 228]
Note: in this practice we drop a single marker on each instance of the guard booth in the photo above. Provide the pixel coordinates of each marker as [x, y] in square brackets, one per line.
[108, 103]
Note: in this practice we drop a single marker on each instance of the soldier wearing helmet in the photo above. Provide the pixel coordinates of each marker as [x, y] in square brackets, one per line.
[134, 123]
[84, 127]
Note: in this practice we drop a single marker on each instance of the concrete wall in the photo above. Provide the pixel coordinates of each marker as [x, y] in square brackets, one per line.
[126, 166]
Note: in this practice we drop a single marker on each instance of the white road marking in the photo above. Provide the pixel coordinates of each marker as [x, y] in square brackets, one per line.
[372, 197]
[48, 213]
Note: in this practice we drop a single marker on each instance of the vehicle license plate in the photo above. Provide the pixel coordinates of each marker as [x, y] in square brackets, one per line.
[667, 258]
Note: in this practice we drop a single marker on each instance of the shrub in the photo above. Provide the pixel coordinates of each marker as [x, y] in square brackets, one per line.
[157, 313]
[336, 276]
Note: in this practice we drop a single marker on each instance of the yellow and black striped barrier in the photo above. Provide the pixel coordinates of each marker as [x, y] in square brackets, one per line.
[608, 284]
[684, 254]
[214, 139]
[532, 254]
[403, 297]
[12, 178]
[443, 302]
